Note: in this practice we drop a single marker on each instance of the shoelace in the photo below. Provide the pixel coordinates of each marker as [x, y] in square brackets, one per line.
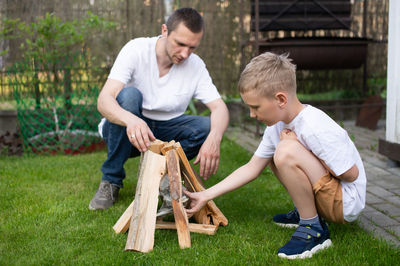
[291, 214]
[107, 190]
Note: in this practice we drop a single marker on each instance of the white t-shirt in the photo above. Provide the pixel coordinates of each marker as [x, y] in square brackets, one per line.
[169, 96]
[330, 143]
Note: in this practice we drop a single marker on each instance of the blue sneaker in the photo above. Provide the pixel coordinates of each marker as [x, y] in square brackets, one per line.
[306, 241]
[290, 219]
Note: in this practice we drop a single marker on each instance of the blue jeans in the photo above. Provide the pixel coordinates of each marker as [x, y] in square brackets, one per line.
[191, 131]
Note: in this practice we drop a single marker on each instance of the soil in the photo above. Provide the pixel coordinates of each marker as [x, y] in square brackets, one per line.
[11, 144]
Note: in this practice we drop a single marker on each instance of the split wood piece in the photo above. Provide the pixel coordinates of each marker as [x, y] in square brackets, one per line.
[203, 216]
[175, 187]
[187, 168]
[207, 229]
[167, 147]
[122, 225]
[143, 221]
[217, 216]
[156, 146]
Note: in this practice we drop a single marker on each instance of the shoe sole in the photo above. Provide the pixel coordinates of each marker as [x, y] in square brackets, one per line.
[308, 253]
[99, 208]
[287, 225]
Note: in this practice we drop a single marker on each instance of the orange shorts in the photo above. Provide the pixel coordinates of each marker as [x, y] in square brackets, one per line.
[328, 198]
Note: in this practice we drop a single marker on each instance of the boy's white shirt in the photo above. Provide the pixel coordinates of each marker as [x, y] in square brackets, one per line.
[166, 97]
[330, 143]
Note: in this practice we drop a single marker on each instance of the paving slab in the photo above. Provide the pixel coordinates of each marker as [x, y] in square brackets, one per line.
[387, 208]
[379, 191]
[387, 184]
[396, 230]
[380, 219]
[395, 200]
[371, 199]
[378, 232]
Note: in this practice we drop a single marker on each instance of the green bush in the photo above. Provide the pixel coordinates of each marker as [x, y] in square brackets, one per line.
[55, 84]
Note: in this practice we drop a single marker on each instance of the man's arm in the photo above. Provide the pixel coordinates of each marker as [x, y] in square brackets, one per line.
[238, 178]
[210, 150]
[108, 106]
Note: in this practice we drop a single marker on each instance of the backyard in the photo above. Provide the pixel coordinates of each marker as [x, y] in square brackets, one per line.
[53, 65]
[45, 220]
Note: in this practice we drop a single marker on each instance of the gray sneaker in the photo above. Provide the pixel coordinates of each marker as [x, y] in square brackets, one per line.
[105, 196]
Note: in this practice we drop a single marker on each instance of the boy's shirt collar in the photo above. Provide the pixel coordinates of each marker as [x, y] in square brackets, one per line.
[296, 118]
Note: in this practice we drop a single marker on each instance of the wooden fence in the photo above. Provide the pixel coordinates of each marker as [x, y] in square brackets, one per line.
[227, 32]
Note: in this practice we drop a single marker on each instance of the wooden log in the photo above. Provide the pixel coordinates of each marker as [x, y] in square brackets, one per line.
[175, 186]
[122, 225]
[203, 216]
[167, 147]
[207, 229]
[156, 146]
[217, 216]
[187, 168]
[143, 221]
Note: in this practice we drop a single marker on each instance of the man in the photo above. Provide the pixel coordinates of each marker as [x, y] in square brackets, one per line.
[145, 96]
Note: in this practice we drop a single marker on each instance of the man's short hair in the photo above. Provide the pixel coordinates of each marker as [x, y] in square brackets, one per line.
[190, 18]
[268, 74]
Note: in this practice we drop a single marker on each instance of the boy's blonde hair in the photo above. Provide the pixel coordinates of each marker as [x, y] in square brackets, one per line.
[268, 74]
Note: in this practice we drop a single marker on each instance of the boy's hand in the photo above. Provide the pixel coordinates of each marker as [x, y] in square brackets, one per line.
[287, 134]
[197, 201]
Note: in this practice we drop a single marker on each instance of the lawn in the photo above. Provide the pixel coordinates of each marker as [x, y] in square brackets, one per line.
[44, 219]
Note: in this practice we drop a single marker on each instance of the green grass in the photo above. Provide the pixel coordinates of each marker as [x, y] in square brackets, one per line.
[44, 220]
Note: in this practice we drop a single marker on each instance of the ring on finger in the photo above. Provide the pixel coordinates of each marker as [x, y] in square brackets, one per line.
[133, 136]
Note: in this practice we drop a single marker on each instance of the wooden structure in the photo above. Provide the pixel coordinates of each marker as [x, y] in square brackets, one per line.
[140, 216]
[390, 146]
[308, 15]
[314, 52]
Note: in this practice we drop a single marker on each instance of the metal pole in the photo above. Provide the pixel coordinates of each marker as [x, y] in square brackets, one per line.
[257, 11]
[364, 34]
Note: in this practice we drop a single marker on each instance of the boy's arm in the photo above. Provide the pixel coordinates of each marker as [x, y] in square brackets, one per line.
[348, 176]
[238, 178]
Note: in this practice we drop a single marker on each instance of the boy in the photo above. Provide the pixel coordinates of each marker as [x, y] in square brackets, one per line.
[311, 155]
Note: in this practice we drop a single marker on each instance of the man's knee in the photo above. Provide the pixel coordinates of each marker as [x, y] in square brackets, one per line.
[197, 136]
[285, 153]
[130, 99]
[203, 126]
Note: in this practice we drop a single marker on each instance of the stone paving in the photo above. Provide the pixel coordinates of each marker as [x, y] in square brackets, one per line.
[381, 216]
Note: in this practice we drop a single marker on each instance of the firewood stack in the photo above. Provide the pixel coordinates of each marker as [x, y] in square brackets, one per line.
[140, 216]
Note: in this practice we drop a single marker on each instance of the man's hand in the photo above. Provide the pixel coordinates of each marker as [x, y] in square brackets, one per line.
[287, 134]
[197, 201]
[139, 134]
[208, 157]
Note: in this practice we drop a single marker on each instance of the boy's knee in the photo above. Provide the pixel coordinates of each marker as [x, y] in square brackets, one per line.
[130, 99]
[285, 153]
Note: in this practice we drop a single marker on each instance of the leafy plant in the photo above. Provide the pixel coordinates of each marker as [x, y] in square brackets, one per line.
[377, 86]
[54, 67]
[50, 41]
